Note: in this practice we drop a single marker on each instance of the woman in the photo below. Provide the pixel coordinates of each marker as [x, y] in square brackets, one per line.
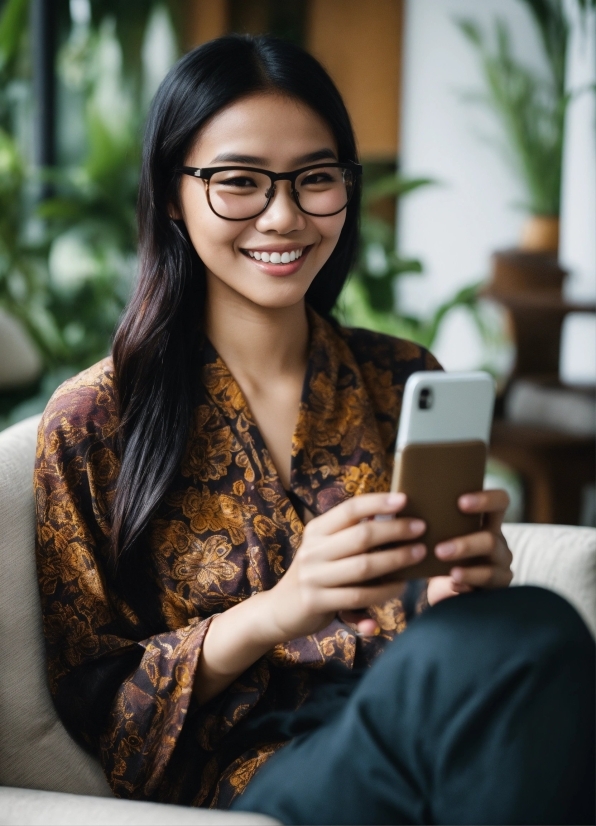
[239, 445]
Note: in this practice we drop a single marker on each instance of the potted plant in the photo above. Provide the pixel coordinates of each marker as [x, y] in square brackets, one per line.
[531, 109]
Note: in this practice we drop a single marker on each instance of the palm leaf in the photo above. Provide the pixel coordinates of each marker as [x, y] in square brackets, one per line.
[552, 24]
[530, 109]
[393, 186]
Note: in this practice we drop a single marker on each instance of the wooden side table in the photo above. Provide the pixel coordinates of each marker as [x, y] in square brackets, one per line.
[554, 466]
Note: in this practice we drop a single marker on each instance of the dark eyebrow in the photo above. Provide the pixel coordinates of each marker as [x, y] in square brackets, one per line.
[232, 157]
[319, 155]
[253, 160]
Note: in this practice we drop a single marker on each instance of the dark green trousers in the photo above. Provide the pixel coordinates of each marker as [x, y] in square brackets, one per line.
[481, 712]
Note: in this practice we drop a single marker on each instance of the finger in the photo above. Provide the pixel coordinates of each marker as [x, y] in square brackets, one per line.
[368, 628]
[481, 576]
[367, 566]
[354, 597]
[361, 622]
[370, 534]
[492, 503]
[483, 543]
[461, 587]
[354, 510]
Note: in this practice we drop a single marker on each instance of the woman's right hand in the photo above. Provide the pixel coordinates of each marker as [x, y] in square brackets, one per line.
[331, 573]
[335, 563]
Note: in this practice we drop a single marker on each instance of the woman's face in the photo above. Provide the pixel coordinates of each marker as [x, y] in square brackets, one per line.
[273, 132]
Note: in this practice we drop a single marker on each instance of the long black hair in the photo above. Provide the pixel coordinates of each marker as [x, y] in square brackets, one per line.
[155, 346]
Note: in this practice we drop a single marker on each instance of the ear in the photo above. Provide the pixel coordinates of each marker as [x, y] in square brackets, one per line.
[174, 212]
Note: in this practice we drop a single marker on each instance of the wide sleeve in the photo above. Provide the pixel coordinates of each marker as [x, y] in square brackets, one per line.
[120, 692]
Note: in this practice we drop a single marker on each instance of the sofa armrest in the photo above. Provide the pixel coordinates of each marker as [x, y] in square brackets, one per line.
[561, 558]
[29, 807]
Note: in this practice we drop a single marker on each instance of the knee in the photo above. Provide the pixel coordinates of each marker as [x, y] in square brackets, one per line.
[520, 611]
[476, 631]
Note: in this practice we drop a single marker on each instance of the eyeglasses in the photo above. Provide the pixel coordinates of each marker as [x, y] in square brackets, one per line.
[238, 193]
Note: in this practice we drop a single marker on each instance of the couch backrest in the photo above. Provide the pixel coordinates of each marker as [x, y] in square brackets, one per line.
[559, 557]
[35, 750]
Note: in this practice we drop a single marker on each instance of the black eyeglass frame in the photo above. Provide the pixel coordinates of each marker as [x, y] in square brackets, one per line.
[207, 172]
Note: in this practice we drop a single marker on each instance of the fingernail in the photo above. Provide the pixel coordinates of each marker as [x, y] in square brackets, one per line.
[417, 526]
[469, 501]
[445, 550]
[396, 500]
[418, 551]
[457, 575]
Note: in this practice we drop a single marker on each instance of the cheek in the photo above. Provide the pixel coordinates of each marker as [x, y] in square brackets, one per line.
[210, 235]
[329, 230]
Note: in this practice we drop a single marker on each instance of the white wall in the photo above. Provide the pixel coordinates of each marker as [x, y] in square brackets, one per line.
[455, 227]
[578, 201]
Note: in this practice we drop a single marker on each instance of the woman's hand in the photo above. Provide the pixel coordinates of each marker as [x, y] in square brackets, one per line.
[495, 569]
[331, 572]
[335, 567]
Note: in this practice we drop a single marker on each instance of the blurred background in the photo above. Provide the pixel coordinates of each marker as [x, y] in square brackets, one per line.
[476, 125]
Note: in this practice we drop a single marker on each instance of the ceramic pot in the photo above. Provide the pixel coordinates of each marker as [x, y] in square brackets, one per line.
[540, 233]
[522, 271]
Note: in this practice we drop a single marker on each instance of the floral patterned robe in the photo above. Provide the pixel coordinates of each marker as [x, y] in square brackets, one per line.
[226, 530]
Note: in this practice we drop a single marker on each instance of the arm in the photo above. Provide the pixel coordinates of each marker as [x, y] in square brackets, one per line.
[121, 690]
[331, 572]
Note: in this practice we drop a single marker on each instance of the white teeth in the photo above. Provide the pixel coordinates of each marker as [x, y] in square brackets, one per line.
[276, 257]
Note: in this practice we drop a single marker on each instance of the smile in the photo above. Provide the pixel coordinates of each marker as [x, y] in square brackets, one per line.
[276, 257]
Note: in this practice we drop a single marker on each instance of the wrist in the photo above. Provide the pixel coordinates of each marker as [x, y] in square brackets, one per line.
[266, 629]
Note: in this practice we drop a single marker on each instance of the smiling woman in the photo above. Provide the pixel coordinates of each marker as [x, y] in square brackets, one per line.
[214, 579]
[300, 210]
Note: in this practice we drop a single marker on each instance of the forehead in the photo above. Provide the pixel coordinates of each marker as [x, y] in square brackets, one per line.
[268, 130]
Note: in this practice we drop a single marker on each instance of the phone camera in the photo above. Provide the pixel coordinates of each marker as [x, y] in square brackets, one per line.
[425, 399]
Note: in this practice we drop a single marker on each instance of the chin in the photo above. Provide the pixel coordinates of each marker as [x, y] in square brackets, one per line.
[278, 302]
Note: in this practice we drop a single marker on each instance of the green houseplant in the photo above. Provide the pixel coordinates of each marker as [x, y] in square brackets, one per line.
[530, 108]
[371, 297]
[66, 262]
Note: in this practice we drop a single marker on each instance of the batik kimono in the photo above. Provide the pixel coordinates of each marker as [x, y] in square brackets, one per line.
[225, 530]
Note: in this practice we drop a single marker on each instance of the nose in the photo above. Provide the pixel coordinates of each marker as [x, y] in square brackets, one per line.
[282, 215]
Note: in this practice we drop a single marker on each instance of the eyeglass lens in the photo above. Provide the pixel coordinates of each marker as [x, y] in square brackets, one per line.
[241, 193]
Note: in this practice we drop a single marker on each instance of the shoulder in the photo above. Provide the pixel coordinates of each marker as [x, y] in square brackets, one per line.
[82, 410]
[381, 352]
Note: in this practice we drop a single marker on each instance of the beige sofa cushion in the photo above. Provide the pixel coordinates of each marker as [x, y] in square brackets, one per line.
[25, 807]
[558, 557]
[35, 750]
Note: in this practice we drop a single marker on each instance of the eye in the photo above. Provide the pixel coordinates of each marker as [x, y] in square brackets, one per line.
[239, 182]
[320, 178]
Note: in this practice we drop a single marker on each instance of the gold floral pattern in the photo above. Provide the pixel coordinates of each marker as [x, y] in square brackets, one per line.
[225, 530]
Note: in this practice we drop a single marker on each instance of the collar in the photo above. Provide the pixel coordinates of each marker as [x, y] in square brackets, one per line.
[337, 450]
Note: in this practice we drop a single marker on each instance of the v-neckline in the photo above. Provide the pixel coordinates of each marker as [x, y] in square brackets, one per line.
[334, 404]
[236, 394]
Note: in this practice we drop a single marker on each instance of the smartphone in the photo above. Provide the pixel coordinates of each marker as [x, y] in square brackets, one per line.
[440, 454]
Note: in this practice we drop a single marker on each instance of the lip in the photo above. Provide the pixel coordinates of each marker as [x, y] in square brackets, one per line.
[279, 270]
[277, 248]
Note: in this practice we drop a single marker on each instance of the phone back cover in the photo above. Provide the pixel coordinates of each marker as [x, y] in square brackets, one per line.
[434, 476]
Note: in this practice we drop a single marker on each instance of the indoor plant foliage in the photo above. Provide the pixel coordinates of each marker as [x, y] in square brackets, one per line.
[530, 108]
[371, 296]
[66, 262]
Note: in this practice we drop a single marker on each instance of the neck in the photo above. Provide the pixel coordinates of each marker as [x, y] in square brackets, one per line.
[257, 343]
